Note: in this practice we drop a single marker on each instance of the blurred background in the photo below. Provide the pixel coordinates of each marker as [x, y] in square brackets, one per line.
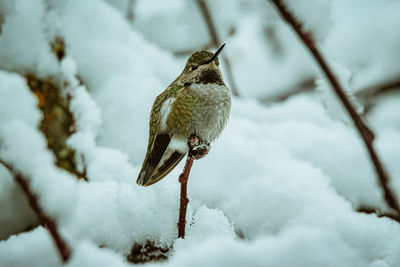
[267, 60]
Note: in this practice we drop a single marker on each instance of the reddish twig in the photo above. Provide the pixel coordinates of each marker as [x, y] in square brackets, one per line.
[216, 42]
[183, 179]
[45, 220]
[366, 133]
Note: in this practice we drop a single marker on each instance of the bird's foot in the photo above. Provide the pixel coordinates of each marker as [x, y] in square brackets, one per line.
[193, 141]
[197, 147]
[200, 151]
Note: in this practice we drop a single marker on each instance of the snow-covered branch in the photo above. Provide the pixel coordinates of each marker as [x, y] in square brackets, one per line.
[45, 220]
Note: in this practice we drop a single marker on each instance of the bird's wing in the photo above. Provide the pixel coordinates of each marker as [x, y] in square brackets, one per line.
[159, 161]
[153, 157]
[167, 163]
[160, 158]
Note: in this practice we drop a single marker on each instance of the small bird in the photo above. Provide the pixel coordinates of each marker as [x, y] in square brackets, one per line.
[191, 112]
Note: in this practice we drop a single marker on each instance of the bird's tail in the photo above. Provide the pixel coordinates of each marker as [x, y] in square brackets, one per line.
[159, 161]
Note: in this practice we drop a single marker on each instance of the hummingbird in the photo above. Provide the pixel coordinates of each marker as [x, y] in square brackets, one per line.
[189, 114]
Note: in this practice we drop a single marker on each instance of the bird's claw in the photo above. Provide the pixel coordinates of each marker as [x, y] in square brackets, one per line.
[200, 151]
[197, 147]
[193, 141]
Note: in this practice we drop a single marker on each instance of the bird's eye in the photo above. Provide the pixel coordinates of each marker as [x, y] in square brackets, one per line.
[193, 67]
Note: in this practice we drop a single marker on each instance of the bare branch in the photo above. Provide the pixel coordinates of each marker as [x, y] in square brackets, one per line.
[45, 220]
[197, 149]
[305, 86]
[372, 210]
[216, 42]
[387, 86]
[368, 94]
[366, 133]
[365, 95]
[183, 179]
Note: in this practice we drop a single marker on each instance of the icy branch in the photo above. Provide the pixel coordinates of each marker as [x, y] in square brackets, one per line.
[216, 42]
[366, 133]
[45, 220]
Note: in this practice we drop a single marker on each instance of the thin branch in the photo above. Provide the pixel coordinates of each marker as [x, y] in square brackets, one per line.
[45, 220]
[130, 10]
[305, 86]
[365, 95]
[366, 134]
[376, 89]
[183, 179]
[368, 95]
[216, 42]
[377, 212]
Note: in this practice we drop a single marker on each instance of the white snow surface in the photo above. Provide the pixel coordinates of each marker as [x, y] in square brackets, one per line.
[280, 187]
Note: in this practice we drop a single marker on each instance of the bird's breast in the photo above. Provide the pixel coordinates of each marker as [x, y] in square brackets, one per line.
[212, 109]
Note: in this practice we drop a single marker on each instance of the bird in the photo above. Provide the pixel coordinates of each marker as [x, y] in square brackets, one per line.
[188, 115]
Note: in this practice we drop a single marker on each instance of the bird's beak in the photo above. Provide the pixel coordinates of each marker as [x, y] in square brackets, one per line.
[215, 56]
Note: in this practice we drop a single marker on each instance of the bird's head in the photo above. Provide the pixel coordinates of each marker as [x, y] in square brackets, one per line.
[202, 67]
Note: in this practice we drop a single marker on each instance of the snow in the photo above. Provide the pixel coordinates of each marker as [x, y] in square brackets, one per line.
[23, 56]
[296, 247]
[280, 187]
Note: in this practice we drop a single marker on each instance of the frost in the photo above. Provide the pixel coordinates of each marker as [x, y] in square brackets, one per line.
[332, 101]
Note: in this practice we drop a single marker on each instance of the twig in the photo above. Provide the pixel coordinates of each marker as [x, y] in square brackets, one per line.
[129, 10]
[366, 134]
[368, 94]
[383, 87]
[45, 220]
[183, 179]
[216, 42]
[305, 86]
[371, 210]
